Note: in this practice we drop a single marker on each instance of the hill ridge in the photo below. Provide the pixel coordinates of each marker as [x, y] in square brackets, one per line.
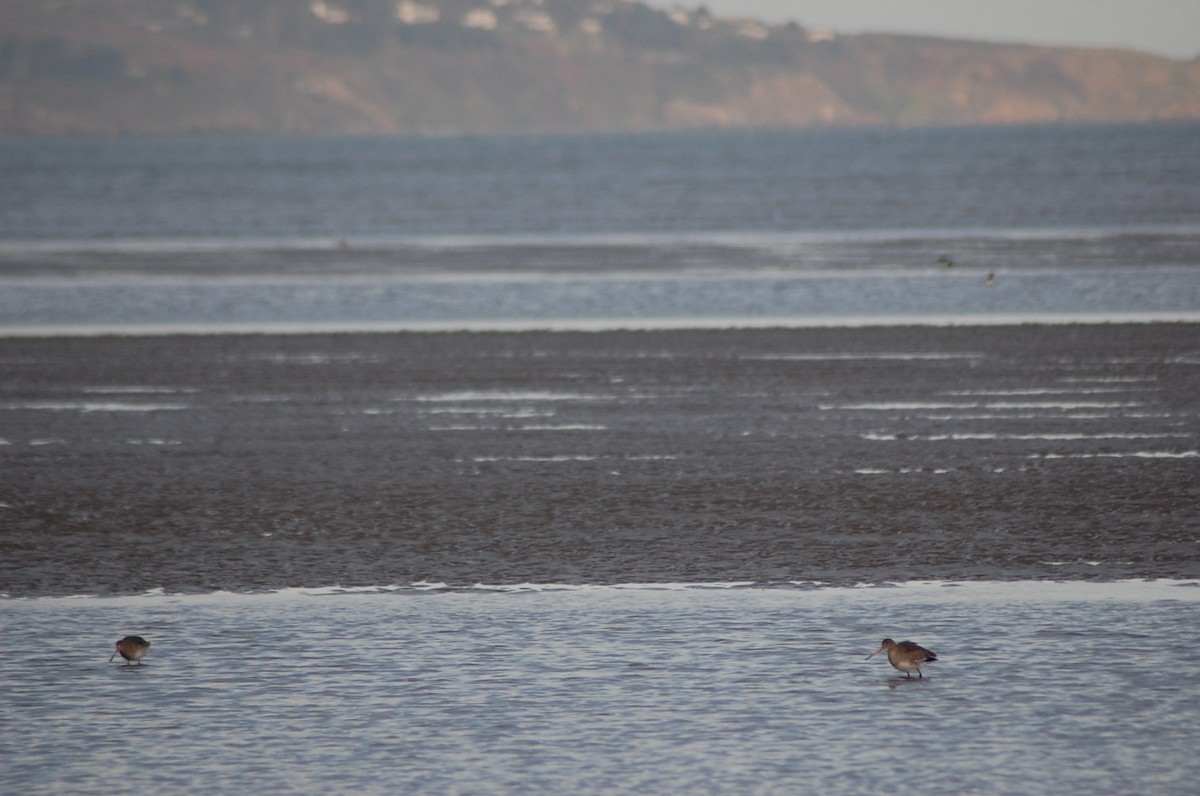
[517, 66]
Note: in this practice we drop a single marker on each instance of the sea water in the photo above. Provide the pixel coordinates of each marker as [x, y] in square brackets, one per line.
[652, 688]
[714, 229]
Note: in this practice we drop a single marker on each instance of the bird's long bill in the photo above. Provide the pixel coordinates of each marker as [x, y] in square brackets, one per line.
[873, 654]
[110, 657]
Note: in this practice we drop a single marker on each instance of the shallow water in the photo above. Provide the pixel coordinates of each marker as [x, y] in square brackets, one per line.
[1041, 688]
[120, 306]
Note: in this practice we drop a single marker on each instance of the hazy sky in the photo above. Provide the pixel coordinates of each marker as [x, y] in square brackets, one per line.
[1166, 27]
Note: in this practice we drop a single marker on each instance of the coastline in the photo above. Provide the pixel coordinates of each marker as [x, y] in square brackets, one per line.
[920, 592]
[593, 325]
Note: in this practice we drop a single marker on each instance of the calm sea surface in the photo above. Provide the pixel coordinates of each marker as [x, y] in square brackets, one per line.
[593, 231]
[654, 562]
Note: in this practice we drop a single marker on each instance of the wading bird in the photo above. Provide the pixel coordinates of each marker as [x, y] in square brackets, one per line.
[131, 648]
[907, 656]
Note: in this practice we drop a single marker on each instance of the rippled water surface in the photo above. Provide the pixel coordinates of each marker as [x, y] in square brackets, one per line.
[1041, 688]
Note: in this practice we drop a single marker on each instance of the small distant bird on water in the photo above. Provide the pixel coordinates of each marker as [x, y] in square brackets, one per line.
[990, 279]
[946, 260]
[907, 656]
[131, 648]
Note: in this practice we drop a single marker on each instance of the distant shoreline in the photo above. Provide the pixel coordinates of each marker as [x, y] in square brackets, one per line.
[591, 325]
[272, 66]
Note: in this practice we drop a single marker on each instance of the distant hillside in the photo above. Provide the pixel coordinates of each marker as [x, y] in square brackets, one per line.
[474, 66]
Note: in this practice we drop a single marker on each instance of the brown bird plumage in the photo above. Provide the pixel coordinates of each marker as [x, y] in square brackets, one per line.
[907, 656]
[131, 648]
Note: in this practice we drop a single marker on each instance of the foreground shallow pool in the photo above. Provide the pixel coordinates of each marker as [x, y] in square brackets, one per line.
[721, 688]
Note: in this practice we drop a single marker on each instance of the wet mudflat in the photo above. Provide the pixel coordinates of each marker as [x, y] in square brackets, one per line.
[250, 462]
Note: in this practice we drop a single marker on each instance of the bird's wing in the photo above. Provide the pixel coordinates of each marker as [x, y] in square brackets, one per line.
[913, 647]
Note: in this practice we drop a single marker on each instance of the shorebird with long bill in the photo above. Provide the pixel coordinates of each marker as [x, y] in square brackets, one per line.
[907, 656]
[131, 648]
